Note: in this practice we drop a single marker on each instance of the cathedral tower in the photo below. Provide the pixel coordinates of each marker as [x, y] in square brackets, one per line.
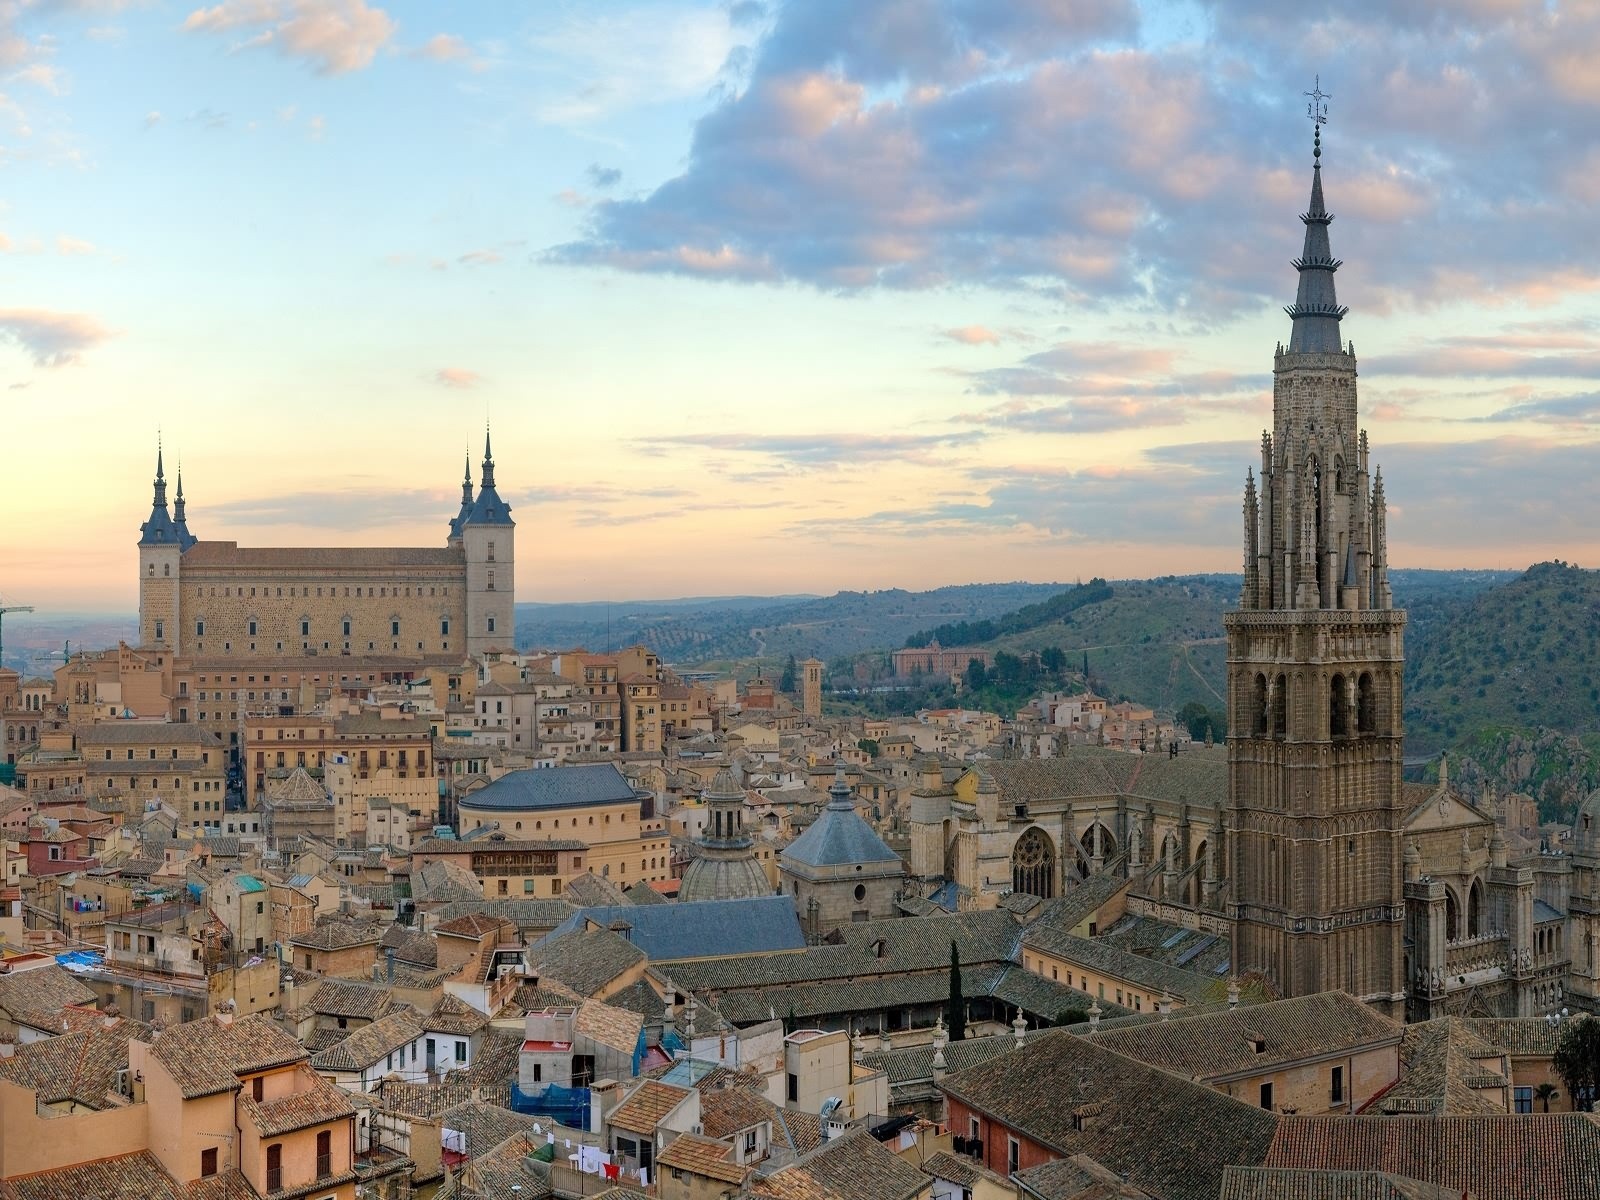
[1314, 675]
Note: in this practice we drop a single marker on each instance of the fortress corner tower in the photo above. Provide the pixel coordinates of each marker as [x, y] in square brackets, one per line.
[1315, 661]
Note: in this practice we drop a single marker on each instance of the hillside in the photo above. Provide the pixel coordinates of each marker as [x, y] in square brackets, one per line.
[1519, 656]
[688, 633]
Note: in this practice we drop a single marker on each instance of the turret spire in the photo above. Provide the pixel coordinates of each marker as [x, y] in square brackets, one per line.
[179, 520]
[488, 460]
[1316, 310]
[159, 529]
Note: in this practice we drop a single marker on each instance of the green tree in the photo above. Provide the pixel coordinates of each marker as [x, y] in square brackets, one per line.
[869, 746]
[787, 682]
[1577, 1060]
[1201, 721]
[1545, 1093]
[956, 1015]
[976, 675]
[1053, 659]
[1009, 669]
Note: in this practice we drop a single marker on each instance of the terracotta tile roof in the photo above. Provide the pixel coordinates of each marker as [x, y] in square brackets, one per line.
[316, 1103]
[125, 1177]
[1517, 1035]
[609, 1025]
[80, 1067]
[1264, 1183]
[484, 1126]
[1530, 1157]
[504, 1167]
[338, 934]
[724, 1111]
[38, 995]
[473, 925]
[348, 998]
[489, 1075]
[703, 1156]
[646, 1106]
[452, 1015]
[1076, 1178]
[364, 1047]
[1160, 1131]
[791, 1183]
[1446, 1067]
[1224, 1043]
[208, 1056]
[859, 1167]
[585, 960]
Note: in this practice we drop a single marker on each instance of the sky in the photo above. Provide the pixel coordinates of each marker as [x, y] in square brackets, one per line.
[766, 297]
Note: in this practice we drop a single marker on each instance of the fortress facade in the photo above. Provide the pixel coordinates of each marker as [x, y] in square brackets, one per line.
[213, 600]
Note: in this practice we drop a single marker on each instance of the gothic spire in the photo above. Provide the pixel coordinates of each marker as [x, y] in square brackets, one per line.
[466, 481]
[159, 529]
[489, 508]
[488, 460]
[179, 520]
[1316, 310]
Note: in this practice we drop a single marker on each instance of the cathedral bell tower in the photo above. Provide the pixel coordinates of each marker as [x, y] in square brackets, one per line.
[1315, 660]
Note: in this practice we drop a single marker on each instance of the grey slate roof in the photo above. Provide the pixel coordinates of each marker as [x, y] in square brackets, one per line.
[701, 928]
[552, 788]
[838, 837]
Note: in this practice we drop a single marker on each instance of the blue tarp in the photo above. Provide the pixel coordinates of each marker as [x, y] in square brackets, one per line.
[565, 1106]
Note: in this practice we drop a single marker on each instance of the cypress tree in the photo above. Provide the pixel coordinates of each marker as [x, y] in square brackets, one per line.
[956, 1017]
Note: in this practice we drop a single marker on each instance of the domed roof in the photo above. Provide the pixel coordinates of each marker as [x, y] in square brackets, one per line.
[720, 878]
[724, 786]
[840, 836]
[1587, 823]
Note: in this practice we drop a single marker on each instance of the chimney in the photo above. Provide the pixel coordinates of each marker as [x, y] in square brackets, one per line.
[1164, 1004]
[388, 959]
[1094, 1015]
[884, 1042]
[1019, 1025]
[1233, 994]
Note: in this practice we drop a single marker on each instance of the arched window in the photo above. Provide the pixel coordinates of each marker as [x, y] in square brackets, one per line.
[1033, 864]
[1338, 717]
[1366, 704]
[1475, 909]
[1452, 916]
[1280, 707]
[1258, 718]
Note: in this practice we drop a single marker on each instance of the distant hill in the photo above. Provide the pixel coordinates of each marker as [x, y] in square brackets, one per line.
[695, 632]
[1523, 655]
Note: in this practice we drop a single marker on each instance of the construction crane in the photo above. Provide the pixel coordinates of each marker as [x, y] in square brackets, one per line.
[3, 611]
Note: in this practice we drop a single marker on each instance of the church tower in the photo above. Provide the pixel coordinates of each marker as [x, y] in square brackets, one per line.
[1314, 675]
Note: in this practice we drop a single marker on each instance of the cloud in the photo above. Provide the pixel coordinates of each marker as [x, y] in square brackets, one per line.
[43, 75]
[604, 59]
[603, 177]
[343, 509]
[480, 258]
[917, 144]
[73, 246]
[457, 377]
[972, 335]
[834, 450]
[152, 118]
[331, 36]
[444, 47]
[52, 339]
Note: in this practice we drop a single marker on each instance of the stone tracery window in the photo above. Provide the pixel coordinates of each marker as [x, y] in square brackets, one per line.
[1033, 864]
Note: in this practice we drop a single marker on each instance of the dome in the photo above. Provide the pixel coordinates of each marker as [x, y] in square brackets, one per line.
[1586, 826]
[718, 878]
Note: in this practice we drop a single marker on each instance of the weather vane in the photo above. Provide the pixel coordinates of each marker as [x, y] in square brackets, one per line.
[1317, 110]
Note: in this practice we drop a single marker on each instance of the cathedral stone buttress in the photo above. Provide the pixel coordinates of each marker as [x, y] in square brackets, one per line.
[1315, 659]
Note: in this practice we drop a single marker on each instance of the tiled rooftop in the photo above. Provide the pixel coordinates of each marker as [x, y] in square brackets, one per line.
[703, 1156]
[1224, 1043]
[208, 1056]
[646, 1105]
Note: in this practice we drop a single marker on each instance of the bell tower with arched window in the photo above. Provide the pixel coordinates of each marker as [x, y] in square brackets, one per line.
[1314, 674]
